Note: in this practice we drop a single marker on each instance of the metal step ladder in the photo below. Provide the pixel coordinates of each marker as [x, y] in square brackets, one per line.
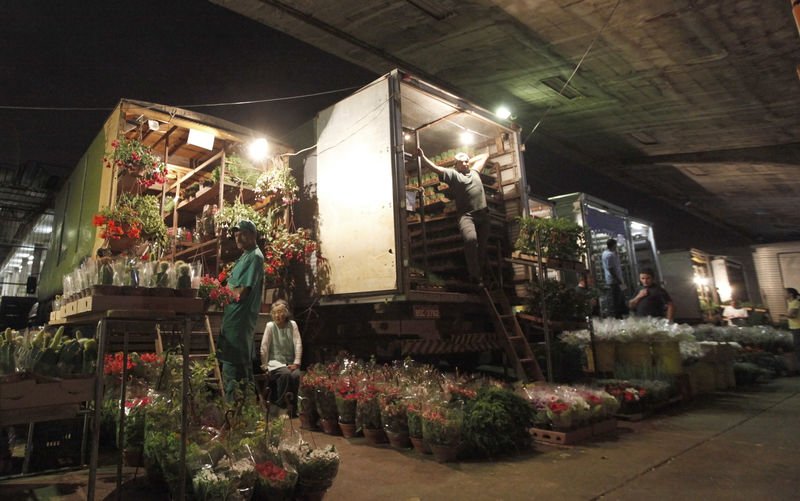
[217, 379]
[517, 349]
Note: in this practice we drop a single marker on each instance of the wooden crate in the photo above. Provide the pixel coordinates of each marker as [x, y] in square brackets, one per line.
[91, 304]
[561, 437]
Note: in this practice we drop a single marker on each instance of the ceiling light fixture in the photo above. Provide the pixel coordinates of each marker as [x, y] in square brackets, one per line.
[466, 137]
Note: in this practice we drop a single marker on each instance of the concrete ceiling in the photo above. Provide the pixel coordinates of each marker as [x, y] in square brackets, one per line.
[694, 101]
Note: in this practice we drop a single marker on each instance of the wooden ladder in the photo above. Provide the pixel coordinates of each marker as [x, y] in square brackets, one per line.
[515, 343]
[211, 346]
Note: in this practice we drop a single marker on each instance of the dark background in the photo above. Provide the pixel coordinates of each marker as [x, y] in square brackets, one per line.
[86, 55]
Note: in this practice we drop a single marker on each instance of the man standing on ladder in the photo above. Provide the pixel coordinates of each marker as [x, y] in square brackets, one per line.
[473, 222]
[236, 339]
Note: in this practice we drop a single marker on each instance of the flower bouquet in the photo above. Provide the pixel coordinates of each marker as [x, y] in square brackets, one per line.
[560, 414]
[414, 419]
[394, 410]
[368, 411]
[346, 400]
[216, 294]
[211, 485]
[441, 424]
[132, 157]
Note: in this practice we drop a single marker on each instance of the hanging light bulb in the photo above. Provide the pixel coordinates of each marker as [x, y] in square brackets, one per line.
[466, 137]
[503, 112]
[258, 149]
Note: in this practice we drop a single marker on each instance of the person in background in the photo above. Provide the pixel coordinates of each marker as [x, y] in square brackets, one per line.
[236, 338]
[793, 315]
[652, 300]
[281, 352]
[613, 275]
[733, 314]
[465, 182]
[587, 294]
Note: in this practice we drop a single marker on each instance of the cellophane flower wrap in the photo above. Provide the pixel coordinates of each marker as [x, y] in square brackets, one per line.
[368, 411]
[442, 422]
[346, 391]
[394, 409]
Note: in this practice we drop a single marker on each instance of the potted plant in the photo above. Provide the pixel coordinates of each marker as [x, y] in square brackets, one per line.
[131, 157]
[441, 429]
[497, 420]
[368, 413]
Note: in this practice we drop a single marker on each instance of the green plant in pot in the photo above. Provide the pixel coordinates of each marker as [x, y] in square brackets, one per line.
[497, 420]
[106, 271]
[183, 273]
[162, 274]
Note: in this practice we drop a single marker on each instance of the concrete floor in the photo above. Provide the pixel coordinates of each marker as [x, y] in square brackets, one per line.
[740, 444]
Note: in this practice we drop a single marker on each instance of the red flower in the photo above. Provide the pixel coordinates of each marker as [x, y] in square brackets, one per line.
[98, 220]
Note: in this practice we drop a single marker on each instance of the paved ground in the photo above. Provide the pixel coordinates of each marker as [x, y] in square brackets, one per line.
[742, 444]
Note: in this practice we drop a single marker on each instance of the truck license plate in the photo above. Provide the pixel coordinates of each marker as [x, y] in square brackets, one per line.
[426, 311]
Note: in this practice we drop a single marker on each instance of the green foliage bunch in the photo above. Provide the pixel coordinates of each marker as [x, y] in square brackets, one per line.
[562, 302]
[559, 238]
[497, 421]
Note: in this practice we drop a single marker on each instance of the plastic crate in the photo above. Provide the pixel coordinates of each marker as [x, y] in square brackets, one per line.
[56, 444]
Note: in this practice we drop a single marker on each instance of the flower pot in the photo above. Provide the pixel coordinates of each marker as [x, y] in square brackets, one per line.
[348, 429]
[330, 426]
[398, 440]
[444, 453]
[307, 422]
[127, 183]
[420, 447]
[121, 244]
[375, 437]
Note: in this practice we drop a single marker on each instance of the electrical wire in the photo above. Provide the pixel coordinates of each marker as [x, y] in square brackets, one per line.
[207, 105]
[586, 53]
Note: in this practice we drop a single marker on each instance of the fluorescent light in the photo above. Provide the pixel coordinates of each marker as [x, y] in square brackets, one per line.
[258, 149]
[201, 139]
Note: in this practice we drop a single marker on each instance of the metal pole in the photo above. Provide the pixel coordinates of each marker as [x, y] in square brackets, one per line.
[122, 389]
[98, 404]
[542, 272]
[184, 407]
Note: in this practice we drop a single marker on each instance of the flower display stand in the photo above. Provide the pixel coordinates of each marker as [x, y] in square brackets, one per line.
[37, 398]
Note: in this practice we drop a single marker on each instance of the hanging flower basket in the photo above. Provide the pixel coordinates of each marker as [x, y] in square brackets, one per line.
[133, 158]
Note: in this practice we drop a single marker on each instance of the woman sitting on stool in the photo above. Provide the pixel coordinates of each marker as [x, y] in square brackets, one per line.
[281, 351]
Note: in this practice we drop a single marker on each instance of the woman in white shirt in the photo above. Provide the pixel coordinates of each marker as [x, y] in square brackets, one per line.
[281, 352]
